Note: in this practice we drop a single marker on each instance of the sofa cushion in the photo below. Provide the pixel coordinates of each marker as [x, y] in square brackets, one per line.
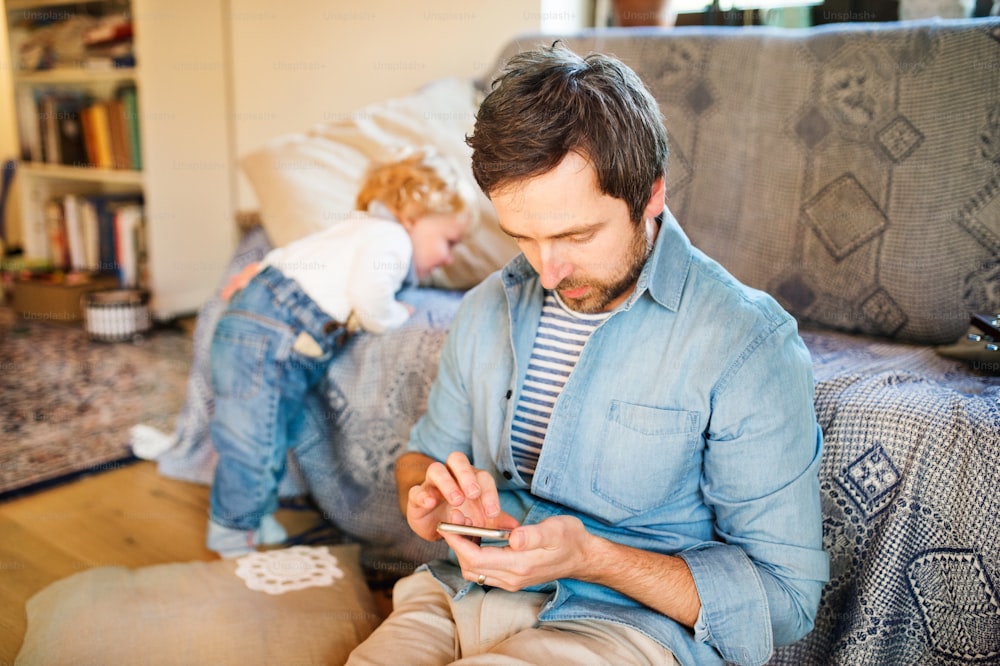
[851, 171]
[306, 181]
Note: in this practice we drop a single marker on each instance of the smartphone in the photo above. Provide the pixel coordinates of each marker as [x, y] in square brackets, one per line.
[482, 532]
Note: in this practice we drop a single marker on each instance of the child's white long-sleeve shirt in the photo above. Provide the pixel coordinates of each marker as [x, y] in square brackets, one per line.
[355, 266]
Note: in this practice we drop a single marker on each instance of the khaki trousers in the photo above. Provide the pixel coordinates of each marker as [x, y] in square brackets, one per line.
[492, 626]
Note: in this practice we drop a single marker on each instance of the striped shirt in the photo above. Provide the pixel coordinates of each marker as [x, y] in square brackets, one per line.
[559, 341]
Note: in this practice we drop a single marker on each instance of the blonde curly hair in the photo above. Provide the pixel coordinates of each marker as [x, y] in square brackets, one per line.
[418, 183]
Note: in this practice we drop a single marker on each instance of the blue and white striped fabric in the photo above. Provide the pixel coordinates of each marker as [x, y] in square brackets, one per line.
[561, 336]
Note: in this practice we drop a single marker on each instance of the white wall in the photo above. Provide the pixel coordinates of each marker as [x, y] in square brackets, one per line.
[299, 63]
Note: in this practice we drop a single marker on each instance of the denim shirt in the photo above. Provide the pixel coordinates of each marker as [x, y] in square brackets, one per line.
[686, 428]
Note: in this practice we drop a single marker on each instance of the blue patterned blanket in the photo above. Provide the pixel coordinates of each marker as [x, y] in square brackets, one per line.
[910, 480]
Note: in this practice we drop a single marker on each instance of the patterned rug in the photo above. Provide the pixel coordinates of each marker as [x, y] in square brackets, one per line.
[67, 403]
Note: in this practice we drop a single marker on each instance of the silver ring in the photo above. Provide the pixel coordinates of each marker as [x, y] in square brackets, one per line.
[481, 580]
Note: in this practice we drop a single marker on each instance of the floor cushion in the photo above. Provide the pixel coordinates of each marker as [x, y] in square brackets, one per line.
[310, 606]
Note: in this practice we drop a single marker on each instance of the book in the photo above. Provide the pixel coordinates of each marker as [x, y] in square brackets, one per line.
[55, 226]
[128, 231]
[29, 127]
[50, 129]
[87, 121]
[106, 207]
[120, 151]
[90, 236]
[102, 135]
[130, 101]
[74, 233]
[72, 148]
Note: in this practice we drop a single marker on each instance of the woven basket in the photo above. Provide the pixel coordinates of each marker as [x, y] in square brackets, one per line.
[116, 315]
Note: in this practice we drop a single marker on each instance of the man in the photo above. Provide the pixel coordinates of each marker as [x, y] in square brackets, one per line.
[641, 421]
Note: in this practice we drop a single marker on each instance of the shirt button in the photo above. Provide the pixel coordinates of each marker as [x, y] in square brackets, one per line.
[507, 475]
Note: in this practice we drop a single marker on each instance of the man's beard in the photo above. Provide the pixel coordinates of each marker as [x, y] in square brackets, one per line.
[601, 294]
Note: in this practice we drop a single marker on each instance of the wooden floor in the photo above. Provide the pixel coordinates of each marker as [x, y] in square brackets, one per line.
[127, 517]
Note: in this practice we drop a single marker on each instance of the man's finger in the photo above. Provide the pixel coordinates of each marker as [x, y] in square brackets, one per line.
[545, 535]
[464, 474]
[440, 477]
[489, 498]
[423, 500]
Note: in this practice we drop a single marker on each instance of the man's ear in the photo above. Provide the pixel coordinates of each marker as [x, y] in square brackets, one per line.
[656, 199]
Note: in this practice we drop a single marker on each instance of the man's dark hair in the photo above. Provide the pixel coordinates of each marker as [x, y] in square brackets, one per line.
[550, 101]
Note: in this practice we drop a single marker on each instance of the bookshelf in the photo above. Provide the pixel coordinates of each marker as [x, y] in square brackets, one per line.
[126, 101]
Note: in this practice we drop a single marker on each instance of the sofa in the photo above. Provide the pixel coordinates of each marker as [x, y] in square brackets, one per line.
[850, 170]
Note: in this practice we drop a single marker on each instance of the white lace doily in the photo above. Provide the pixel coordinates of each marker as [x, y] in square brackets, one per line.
[295, 568]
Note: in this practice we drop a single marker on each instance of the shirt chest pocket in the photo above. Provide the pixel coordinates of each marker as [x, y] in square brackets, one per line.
[646, 457]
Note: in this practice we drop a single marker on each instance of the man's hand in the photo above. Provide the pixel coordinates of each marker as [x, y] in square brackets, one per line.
[557, 547]
[561, 547]
[455, 492]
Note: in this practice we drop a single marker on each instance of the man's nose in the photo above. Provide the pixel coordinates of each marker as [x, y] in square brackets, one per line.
[552, 268]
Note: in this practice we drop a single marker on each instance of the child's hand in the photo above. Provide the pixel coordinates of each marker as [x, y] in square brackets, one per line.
[240, 280]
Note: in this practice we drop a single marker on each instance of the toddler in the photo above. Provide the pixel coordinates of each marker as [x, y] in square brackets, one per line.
[289, 314]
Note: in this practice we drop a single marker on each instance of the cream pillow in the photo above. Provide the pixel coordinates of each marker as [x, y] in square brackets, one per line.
[306, 182]
[203, 613]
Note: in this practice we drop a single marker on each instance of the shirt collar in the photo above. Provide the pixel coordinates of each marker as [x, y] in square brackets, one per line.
[663, 276]
[666, 271]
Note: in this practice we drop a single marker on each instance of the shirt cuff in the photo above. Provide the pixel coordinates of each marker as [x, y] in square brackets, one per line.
[389, 317]
[701, 634]
[734, 616]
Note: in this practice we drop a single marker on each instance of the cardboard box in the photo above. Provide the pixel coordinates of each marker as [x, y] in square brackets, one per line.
[56, 301]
